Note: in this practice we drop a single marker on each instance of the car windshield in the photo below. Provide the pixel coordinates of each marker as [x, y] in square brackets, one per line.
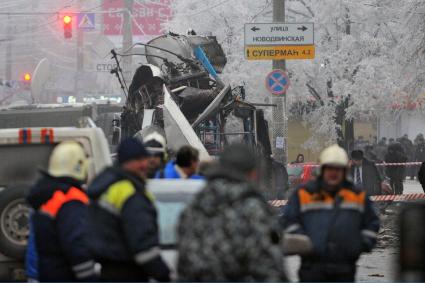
[295, 171]
[22, 162]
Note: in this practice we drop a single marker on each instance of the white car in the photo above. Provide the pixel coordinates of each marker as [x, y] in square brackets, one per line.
[172, 196]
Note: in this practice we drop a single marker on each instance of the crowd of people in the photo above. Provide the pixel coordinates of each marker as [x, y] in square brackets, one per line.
[109, 231]
[412, 151]
[400, 150]
[397, 159]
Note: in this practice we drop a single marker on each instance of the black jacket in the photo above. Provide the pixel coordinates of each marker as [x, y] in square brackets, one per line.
[420, 152]
[60, 210]
[370, 176]
[395, 154]
[421, 176]
[123, 229]
[280, 179]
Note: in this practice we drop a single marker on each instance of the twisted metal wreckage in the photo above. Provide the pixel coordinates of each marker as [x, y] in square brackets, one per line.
[179, 90]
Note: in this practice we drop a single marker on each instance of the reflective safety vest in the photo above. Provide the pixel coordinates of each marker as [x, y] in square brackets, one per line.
[60, 209]
[123, 224]
[340, 226]
[322, 200]
[114, 198]
[59, 198]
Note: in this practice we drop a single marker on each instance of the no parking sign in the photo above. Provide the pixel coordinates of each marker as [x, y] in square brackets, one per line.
[277, 82]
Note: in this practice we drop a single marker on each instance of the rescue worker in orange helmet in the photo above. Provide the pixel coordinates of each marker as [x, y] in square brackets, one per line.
[338, 219]
[60, 209]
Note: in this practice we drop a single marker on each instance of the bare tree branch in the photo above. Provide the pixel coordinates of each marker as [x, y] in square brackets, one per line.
[298, 13]
[315, 94]
[307, 7]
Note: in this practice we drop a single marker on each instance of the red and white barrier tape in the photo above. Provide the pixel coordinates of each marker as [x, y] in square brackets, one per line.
[398, 197]
[377, 164]
[405, 197]
[399, 164]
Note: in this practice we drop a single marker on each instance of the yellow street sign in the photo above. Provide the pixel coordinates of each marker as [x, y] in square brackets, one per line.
[279, 52]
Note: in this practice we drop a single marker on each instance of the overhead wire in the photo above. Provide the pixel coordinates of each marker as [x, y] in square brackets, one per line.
[54, 34]
[205, 9]
[15, 4]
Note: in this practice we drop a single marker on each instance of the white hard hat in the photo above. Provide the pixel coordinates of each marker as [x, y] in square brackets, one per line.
[155, 143]
[68, 159]
[334, 156]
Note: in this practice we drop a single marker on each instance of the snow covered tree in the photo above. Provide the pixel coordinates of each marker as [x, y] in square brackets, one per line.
[353, 73]
[411, 51]
[356, 71]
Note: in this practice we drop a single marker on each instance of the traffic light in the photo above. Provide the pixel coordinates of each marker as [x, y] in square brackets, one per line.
[67, 26]
[25, 83]
[27, 77]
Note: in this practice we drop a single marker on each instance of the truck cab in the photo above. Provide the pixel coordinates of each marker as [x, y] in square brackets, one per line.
[24, 152]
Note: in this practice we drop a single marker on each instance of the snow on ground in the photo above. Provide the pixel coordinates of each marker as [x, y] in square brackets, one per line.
[380, 265]
[412, 187]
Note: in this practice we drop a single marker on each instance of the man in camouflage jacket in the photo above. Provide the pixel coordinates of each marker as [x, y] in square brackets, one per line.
[228, 233]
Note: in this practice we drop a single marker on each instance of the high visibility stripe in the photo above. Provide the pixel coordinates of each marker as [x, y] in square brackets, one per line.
[149, 195]
[370, 233]
[313, 201]
[352, 206]
[47, 135]
[55, 203]
[352, 197]
[307, 197]
[24, 136]
[108, 207]
[85, 269]
[292, 228]
[316, 206]
[118, 194]
[146, 256]
[83, 266]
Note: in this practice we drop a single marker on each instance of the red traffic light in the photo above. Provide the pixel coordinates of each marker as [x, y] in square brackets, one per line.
[67, 26]
[67, 19]
[27, 77]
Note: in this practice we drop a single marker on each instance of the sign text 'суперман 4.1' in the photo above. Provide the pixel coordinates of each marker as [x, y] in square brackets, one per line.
[279, 52]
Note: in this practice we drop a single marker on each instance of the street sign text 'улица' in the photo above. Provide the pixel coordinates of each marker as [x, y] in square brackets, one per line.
[260, 34]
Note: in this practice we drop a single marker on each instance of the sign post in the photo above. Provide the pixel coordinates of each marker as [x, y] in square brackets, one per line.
[277, 83]
[279, 116]
[279, 41]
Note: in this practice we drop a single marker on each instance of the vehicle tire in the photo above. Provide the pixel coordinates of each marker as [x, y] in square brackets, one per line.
[14, 221]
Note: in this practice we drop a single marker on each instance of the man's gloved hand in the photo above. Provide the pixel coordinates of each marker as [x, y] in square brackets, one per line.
[297, 244]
